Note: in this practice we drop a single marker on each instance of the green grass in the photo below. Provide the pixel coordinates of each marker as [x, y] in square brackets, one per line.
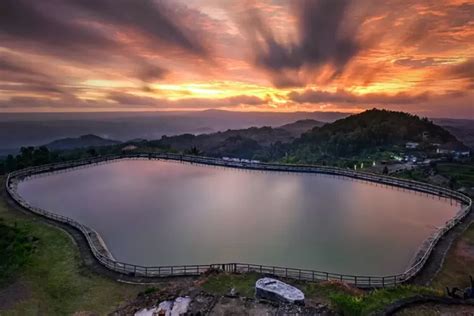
[459, 263]
[57, 281]
[462, 173]
[16, 247]
[373, 301]
[345, 300]
[222, 283]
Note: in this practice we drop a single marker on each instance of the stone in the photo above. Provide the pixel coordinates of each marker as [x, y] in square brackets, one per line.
[275, 290]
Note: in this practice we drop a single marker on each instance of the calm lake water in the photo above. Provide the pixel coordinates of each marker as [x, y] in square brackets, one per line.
[170, 213]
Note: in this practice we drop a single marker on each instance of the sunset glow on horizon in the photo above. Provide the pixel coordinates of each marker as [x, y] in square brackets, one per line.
[272, 55]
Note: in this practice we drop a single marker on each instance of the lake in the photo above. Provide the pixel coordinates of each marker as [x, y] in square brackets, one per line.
[155, 212]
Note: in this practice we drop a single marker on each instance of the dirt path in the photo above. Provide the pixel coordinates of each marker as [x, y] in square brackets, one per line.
[14, 293]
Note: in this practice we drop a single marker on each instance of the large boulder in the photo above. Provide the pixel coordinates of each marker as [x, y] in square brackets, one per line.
[275, 290]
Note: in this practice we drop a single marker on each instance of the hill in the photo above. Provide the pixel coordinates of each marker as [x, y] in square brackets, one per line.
[462, 129]
[83, 141]
[369, 132]
[253, 142]
[301, 126]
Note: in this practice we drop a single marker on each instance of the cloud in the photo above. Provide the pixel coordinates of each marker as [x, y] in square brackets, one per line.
[126, 99]
[21, 76]
[322, 39]
[151, 18]
[104, 34]
[317, 96]
[463, 71]
[456, 104]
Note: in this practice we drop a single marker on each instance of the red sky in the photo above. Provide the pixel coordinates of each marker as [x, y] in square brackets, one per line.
[272, 55]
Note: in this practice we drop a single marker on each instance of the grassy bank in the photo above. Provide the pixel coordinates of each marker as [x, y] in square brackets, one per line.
[46, 272]
[459, 263]
[341, 298]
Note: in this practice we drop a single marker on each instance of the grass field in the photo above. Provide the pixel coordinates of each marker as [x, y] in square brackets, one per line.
[52, 280]
[463, 174]
[459, 263]
[341, 298]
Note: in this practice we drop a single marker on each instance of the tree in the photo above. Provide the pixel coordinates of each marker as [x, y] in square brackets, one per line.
[385, 170]
[194, 151]
[92, 152]
[10, 163]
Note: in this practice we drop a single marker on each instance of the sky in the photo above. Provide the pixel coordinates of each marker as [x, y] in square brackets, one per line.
[272, 55]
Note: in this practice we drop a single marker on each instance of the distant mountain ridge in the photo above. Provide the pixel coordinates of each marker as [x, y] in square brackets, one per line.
[83, 141]
[301, 126]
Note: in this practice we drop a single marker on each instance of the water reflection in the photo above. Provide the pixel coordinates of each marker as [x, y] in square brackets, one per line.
[166, 213]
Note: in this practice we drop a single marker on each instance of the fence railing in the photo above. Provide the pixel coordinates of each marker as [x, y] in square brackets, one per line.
[103, 256]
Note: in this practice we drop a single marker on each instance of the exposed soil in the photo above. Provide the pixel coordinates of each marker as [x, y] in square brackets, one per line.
[14, 293]
[464, 250]
[437, 309]
[206, 304]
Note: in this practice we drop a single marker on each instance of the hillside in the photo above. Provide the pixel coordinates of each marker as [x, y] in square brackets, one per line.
[462, 129]
[301, 126]
[254, 142]
[369, 132]
[244, 143]
[80, 142]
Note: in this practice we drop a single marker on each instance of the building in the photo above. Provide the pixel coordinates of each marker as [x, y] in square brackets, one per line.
[411, 145]
[450, 149]
[129, 148]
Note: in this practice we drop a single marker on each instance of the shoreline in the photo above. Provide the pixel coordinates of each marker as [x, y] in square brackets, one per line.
[102, 255]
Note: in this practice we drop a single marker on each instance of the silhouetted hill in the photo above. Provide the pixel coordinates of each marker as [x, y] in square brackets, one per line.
[301, 126]
[80, 142]
[462, 129]
[237, 143]
[369, 131]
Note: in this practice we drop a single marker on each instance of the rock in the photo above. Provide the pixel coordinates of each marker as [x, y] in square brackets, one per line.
[275, 290]
[180, 306]
[168, 308]
[232, 293]
[147, 312]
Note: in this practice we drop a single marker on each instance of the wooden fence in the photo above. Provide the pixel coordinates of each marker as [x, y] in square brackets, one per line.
[103, 256]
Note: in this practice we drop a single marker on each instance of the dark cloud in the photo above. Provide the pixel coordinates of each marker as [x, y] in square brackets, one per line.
[8, 64]
[126, 99]
[322, 39]
[316, 96]
[150, 18]
[18, 75]
[34, 25]
[448, 104]
[96, 32]
[464, 71]
[149, 72]
[417, 62]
